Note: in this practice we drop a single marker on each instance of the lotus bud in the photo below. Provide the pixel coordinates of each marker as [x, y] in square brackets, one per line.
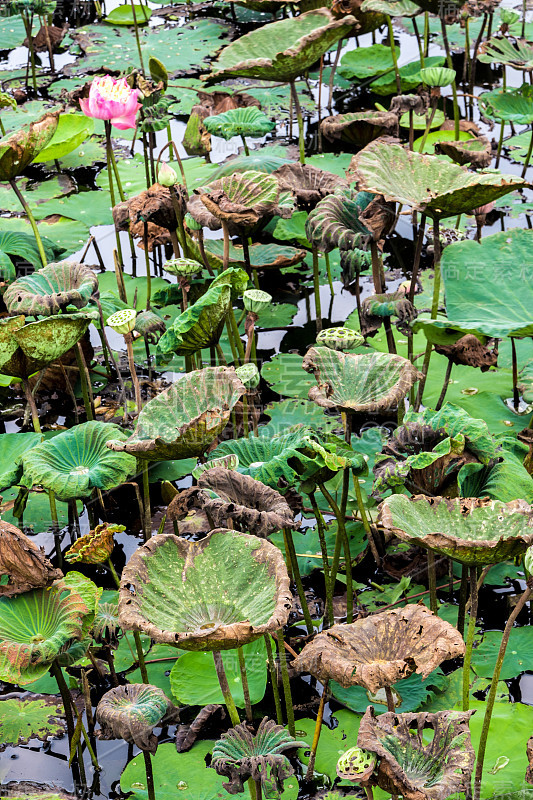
[231, 461]
[96, 546]
[166, 176]
[123, 321]
[191, 223]
[182, 267]
[256, 301]
[249, 375]
[528, 562]
[340, 338]
[356, 765]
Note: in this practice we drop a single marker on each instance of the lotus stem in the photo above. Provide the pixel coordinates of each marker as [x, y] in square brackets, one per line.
[49, 46]
[434, 308]
[32, 406]
[245, 426]
[293, 559]
[474, 63]
[364, 520]
[55, 669]
[139, 50]
[244, 144]
[2, 129]
[333, 70]
[470, 637]
[316, 734]
[286, 683]
[328, 272]
[235, 333]
[146, 502]
[445, 385]
[140, 656]
[179, 220]
[28, 27]
[463, 592]
[224, 687]
[113, 359]
[341, 540]
[225, 256]
[316, 290]
[273, 679]
[148, 270]
[393, 54]
[325, 561]
[432, 581]
[516, 396]
[110, 161]
[419, 42]
[84, 382]
[494, 688]
[301, 140]
[429, 120]
[449, 64]
[245, 687]
[31, 219]
[220, 355]
[128, 338]
[148, 767]
[391, 706]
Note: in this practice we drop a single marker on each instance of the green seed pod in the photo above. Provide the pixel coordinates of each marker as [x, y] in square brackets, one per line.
[340, 338]
[123, 321]
[182, 267]
[256, 301]
[249, 375]
[356, 765]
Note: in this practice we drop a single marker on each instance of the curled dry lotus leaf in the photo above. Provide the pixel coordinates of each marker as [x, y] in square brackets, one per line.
[382, 649]
[474, 152]
[404, 103]
[309, 184]
[287, 47]
[470, 530]
[248, 121]
[239, 755]
[470, 352]
[23, 565]
[19, 149]
[96, 546]
[132, 712]
[153, 205]
[376, 308]
[426, 183]
[39, 716]
[226, 590]
[411, 767]
[183, 420]
[358, 383]
[359, 127]
[43, 625]
[349, 219]
[243, 199]
[25, 349]
[256, 508]
[78, 460]
[51, 289]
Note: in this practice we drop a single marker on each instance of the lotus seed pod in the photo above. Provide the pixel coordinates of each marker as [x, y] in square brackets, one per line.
[123, 321]
[437, 76]
[182, 267]
[340, 338]
[249, 375]
[256, 301]
[166, 176]
[356, 765]
[231, 461]
[191, 223]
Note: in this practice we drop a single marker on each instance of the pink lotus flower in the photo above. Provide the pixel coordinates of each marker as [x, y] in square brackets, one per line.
[112, 100]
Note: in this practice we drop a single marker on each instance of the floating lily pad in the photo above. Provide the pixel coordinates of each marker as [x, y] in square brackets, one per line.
[71, 131]
[517, 657]
[37, 717]
[413, 691]
[124, 15]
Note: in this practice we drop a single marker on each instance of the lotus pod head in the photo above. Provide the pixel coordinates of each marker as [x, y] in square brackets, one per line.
[132, 712]
[249, 375]
[340, 338]
[356, 765]
[51, 289]
[219, 593]
[437, 76]
[182, 267]
[19, 149]
[231, 461]
[240, 755]
[256, 301]
[122, 321]
[23, 565]
[96, 546]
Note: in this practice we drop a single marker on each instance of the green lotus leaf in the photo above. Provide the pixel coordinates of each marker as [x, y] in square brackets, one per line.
[71, 131]
[358, 383]
[249, 121]
[37, 717]
[77, 461]
[51, 289]
[366, 62]
[473, 531]
[443, 766]
[413, 692]
[491, 305]
[12, 446]
[420, 120]
[394, 8]
[378, 307]
[515, 105]
[124, 15]
[13, 243]
[258, 160]
[216, 594]
[359, 127]
[410, 77]
[282, 50]
[262, 256]
[24, 349]
[19, 149]
[198, 327]
[240, 755]
[183, 420]
[426, 183]
[43, 625]
[382, 649]
[518, 55]
[132, 712]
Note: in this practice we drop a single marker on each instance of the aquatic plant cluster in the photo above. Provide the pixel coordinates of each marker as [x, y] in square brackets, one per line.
[266, 379]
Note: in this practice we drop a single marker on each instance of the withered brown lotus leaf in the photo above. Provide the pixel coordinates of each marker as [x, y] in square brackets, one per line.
[201, 215]
[469, 351]
[244, 199]
[382, 649]
[226, 590]
[154, 205]
[376, 308]
[19, 149]
[474, 152]
[47, 34]
[256, 508]
[403, 103]
[309, 184]
[411, 768]
[359, 127]
[96, 546]
[132, 712]
[23, 565]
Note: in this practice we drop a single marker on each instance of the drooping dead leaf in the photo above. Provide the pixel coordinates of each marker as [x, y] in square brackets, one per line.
[23, 565]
